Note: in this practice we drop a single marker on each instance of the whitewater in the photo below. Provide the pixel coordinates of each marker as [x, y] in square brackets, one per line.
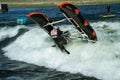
[100, 59]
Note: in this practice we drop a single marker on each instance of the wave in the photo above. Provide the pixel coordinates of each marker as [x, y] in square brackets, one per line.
[9, 35]
[100, 60]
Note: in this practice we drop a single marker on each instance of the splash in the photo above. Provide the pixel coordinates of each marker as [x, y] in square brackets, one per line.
[9, 31]
[100, 60]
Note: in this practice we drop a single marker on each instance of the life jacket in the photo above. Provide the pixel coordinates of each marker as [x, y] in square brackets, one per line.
[54, 33]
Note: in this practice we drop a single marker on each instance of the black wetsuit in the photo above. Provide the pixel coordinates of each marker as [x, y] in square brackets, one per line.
[61, 40]
[108, 8]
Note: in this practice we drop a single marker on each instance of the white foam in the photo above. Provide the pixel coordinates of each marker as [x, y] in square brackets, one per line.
[9, 31]
[100, 60]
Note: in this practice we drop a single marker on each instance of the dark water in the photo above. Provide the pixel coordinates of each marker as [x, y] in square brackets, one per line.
[15, 66]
